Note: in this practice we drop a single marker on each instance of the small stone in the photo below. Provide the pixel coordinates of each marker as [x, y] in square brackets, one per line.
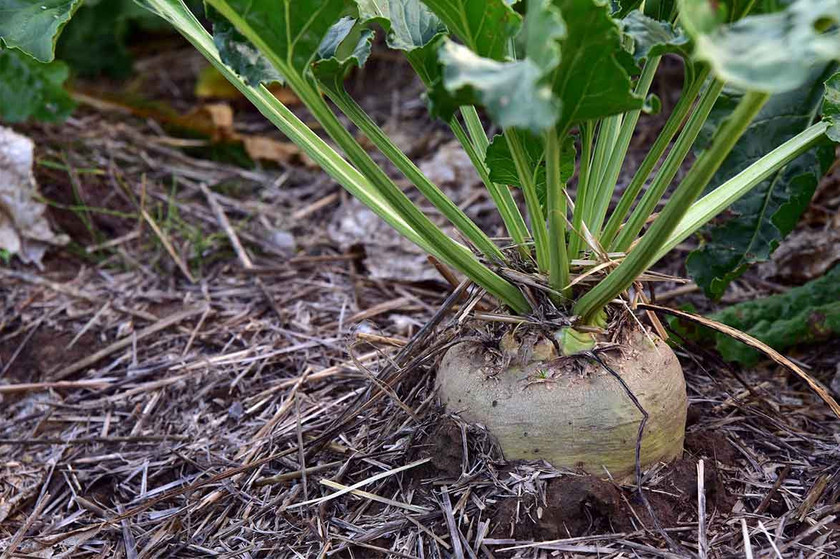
[283, 240]
[236, 411]
[365, 327]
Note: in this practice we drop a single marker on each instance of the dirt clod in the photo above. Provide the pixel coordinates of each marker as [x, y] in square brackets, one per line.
[574, 506]
[581, 505]
[584, 505]
[711, 445]
[447, 450]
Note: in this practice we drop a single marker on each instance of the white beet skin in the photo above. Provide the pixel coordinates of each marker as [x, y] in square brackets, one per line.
[571, 411]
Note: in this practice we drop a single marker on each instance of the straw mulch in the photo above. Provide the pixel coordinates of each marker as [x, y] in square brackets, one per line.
[178, 383]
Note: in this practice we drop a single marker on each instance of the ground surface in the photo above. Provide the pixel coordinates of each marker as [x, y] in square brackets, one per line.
[167, 393]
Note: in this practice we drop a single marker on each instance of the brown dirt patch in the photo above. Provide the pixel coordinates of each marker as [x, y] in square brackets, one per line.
[711, 445]
[574, 506]
[90, 211]
[583, 505]
[447, 449]
[43, 353]
[443, 444]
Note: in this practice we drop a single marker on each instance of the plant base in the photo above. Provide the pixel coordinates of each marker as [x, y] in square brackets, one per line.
[571, 411]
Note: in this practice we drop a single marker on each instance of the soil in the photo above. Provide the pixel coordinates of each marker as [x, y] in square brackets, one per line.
[76, 205]
[447, 452]
[582, 505]
[711, 446]
[45, 352]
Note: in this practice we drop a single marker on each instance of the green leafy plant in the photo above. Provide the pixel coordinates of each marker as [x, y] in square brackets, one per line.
[32, 89]
[806, 314]
[765, 215]
[543, 71]
[95, 41]
[565, 82]
[31, 80]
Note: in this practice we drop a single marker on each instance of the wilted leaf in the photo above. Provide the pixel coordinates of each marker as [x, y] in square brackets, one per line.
[34, 25]
[213, 119]
[769, 211]
[807, 253]
[263, 148]
[216, 121]
[24, 229]
[32, 89]
[211, 84]
[772, 52]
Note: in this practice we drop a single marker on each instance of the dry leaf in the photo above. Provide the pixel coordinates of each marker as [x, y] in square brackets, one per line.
[216, 120]
[211, 84]
[213, 119]
[264, 148]
[24, 229]
[806, 254]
